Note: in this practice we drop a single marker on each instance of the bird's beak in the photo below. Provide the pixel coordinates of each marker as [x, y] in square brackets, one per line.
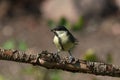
[52, 30]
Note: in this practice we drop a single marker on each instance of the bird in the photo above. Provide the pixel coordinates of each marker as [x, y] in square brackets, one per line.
[64, 40]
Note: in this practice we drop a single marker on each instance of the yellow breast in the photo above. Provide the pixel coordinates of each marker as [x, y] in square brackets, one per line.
[66, 43]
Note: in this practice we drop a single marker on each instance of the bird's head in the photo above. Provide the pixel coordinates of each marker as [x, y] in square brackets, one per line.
[59, 29]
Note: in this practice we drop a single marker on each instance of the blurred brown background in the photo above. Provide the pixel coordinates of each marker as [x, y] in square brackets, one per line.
[27, 23]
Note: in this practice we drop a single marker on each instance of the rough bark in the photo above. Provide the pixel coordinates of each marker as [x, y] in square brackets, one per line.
[51, 61]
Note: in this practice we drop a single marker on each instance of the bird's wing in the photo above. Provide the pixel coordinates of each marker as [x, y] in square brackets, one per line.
[72, 38]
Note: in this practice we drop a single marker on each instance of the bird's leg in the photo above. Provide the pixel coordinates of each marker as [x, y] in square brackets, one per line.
[56, 54]
[71, 58]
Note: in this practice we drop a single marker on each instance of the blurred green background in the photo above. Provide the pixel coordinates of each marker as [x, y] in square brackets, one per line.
[26, 24]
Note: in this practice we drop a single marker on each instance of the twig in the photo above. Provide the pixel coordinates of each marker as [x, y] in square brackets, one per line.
[50, 61]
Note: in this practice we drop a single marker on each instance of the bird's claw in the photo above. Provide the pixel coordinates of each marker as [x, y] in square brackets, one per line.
[71, 59]
[56, 56]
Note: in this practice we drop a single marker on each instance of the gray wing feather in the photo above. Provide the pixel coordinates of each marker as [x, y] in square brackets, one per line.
[72, 38]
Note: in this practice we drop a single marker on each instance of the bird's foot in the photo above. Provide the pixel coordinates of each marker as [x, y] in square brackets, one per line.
[56, 56]
[71, 59]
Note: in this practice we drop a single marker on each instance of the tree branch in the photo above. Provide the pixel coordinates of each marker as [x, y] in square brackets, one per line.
[50, 61]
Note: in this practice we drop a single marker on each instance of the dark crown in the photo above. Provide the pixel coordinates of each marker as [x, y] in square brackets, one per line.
[60, 28]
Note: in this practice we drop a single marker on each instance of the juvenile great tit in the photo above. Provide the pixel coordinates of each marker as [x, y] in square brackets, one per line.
[64, 40]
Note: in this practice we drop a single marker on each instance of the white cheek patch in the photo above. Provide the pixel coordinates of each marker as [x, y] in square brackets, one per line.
[60, 32]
